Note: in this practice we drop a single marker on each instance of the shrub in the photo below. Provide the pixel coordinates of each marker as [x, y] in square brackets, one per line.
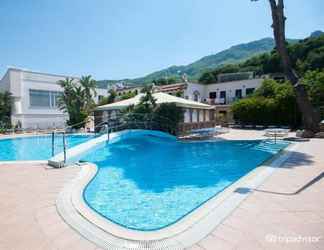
[165, 117]
[254, 110]
[168, 116]
[272, 104]
[5, 109]
[314, 81]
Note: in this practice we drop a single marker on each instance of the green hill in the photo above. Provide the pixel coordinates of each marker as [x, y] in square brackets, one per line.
[234, 54]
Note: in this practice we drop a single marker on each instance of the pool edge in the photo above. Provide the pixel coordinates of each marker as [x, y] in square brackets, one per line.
[184, 233]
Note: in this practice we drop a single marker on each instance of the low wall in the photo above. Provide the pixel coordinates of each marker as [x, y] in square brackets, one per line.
[187, 127]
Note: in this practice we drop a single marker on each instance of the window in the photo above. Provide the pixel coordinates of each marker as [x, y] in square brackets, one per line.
[222, 96]
[55, 95]
[249, 91]
[39, 98]
[238, 93]
[212, 95]
[100, 97]
[196, 96]
[43, 98]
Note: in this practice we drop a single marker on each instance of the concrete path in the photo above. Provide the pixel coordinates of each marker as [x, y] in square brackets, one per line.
[283, 213]
[29, 220]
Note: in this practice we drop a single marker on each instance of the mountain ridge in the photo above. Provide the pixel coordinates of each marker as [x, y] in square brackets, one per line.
[234, 54]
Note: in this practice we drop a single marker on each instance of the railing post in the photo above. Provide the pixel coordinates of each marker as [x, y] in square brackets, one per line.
[275, 137]
[64, 147]
[107, 131]
[53, 137]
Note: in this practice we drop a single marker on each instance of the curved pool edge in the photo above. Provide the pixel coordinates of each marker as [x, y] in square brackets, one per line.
[184, 233]
[73, 154]
[13, 162]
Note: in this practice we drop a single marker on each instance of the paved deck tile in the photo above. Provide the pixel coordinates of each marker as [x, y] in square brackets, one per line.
[289, 204]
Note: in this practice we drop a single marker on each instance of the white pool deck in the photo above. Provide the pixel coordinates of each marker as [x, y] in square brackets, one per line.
[282, 213]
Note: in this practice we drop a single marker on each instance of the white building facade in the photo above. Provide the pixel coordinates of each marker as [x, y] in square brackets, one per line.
[221, 93]
[35, 97]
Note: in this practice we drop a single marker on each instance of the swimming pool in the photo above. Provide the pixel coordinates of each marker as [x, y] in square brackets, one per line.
[36, 147]
[147, 183]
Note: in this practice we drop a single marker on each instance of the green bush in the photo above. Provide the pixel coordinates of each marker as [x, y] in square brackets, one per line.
[314, 82]
[167, 116]
[272, 104]
[5, 109]
[147, 114]
[254, 110]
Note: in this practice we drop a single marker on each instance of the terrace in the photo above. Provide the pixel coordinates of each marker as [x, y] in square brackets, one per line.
[288, 205]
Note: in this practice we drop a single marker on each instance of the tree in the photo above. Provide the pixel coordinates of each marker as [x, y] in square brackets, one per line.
[255, 110]
[267, 89]
[108, 99]
[310, 116]
[165, 81]
[147, 88]
[5, 109]
[127, 95]
[167, 117]
[211, 76]
[305, 55]
[147, 114]
[179, 93]
[147, 103]
[207, 77]
[272, 104]
[77, 99]
[314, 83]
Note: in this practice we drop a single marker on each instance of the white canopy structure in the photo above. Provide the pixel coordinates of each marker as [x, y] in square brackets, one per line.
[160, 98]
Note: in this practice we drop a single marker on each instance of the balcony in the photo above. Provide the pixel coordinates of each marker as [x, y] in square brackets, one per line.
[221, 101]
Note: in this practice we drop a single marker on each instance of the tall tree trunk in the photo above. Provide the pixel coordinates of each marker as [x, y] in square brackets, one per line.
[311, 118]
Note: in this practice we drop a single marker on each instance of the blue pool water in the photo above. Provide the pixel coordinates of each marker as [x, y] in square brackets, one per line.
[148, 183]
[36, 147]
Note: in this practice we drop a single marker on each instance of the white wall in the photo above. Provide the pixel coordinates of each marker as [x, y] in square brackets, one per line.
[194, 115]
[229, 87]
[20, 83]
[187, 116]
[207, 115]
[101, 92]
[201, 115]
[195, 87]
[5, 83]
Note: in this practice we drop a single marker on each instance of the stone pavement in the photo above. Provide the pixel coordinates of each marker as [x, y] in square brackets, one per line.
[285, 212]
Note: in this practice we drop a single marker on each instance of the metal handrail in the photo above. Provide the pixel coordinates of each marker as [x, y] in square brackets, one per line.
[121, 121]
[64, 147]
[64, 137]
[53, 143]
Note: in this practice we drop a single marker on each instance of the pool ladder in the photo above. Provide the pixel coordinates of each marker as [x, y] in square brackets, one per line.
[64, 145]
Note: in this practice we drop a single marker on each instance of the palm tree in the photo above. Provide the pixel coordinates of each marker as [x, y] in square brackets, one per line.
[89, 89]
[77, 99]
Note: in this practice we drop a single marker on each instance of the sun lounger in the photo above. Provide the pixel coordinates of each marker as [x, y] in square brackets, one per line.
[276, 132]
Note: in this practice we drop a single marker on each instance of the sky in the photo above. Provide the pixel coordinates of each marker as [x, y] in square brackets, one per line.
[115, 39]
